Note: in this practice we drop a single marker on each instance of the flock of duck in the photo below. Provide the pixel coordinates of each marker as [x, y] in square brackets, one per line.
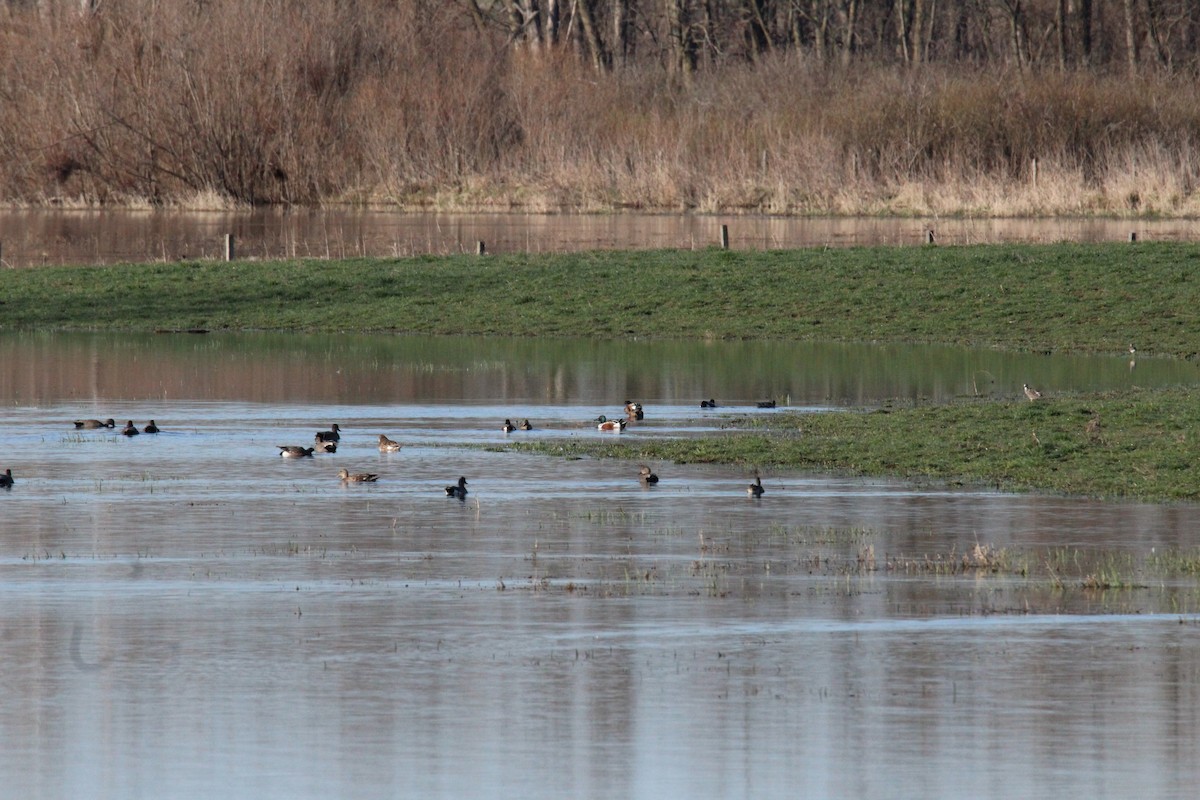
[129, 430]
[327, 442]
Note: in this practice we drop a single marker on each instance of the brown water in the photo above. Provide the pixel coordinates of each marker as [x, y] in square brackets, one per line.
[37, 237]
[188, 615]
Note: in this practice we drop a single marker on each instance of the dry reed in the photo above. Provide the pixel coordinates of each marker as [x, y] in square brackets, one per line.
[228, 102]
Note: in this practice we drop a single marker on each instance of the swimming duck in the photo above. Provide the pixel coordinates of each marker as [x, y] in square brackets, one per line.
[756, 489]
[708, 403]
[330, 435]
[766, 403]
[95, 423]
[387, 445]
[151, 428]
[606, 424]
[525, 426]
[6, 480]
[646, 476]
[633, 410]
[294, 451]
[326, 447]
[1032, 394]
[458, 490]
[130, 429]
[508, 426]
[360, 477]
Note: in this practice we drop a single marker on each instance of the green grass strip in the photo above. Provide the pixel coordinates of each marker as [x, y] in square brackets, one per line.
[1145, 447]
[1051, 298]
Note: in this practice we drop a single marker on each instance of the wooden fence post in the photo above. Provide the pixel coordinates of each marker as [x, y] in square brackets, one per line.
[724, 237]
[480, 248]
[229, 254]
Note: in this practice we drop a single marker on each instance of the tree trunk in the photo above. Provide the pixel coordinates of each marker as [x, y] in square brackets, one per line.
[1062, 13]
[1130, 38]
[848, 36]
[760, 34]
[592, 36]
[901, 13]
[1160, 47]
[550, 22]
[618, 32]
[677, 33]
[1085, 31]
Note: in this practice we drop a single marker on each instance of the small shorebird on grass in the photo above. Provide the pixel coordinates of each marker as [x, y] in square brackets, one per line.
[387, 445]
[294, 451]
[1031, 393]
[458, 490]
[357, 477]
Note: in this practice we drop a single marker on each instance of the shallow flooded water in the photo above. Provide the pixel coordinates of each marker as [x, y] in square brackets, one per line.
[37, 237]
[187, 614]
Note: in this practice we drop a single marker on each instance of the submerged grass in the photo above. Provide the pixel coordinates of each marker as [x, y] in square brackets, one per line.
[1145, 446]
[1053, 298]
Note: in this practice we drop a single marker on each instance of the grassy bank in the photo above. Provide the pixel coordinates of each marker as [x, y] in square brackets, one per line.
[1145, 446]
[1053, 298]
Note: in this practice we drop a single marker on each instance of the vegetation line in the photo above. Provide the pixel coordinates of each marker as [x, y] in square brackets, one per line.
[1051, 298]
[910, 107]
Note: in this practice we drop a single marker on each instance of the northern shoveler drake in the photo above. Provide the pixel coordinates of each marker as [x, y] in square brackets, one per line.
[387, 445]
[1031, 393]
[614, 425]
[708, 403]
[357, 477]
[151, 428]
[766, 403]
[756, 489]
[6, 480]
[646, 476]
[326, 447]
[330, 435]
[130, 429]
[525, 426]
[294, 451]
[508, 426]
[95, 423]
[633, 410]
[458, 490]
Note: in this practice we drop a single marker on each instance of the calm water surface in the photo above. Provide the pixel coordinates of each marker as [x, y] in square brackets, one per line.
[189, 615]
[39, 237]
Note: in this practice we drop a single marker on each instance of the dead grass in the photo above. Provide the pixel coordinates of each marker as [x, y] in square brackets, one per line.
[227, 102]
